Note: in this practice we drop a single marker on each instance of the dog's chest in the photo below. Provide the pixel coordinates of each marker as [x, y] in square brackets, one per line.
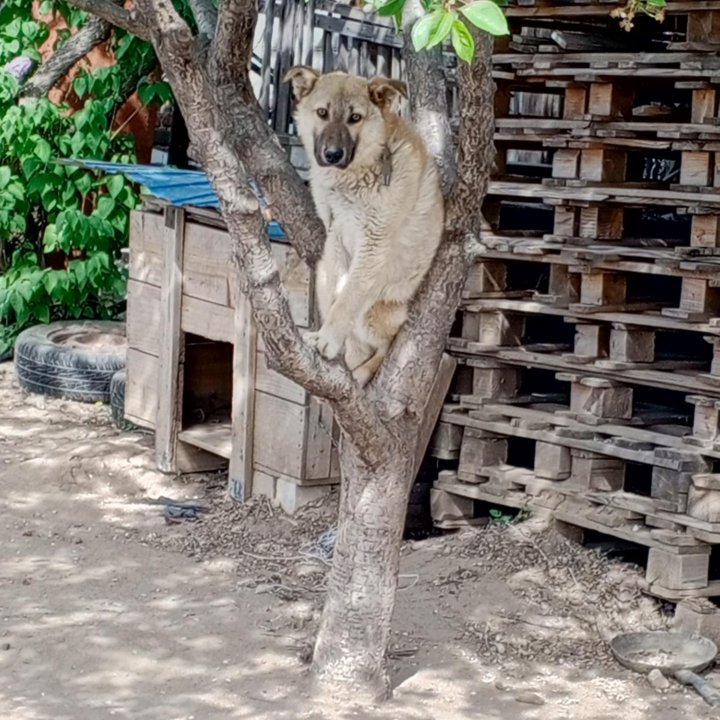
[348, 219]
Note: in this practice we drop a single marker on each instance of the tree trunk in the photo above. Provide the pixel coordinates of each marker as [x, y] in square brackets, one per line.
[351, 646]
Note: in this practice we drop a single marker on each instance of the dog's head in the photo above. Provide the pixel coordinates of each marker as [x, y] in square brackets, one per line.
[341, 117]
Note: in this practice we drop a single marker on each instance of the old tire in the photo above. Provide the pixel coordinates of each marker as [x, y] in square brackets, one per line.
[117, 402]
[73, 359]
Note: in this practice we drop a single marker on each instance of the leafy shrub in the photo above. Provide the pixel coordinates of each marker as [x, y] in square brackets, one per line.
[62, 227]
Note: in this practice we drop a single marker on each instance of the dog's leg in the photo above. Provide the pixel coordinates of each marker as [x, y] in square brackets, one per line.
[367, 279]
[357, 352]
[380, 326]
[329, 271]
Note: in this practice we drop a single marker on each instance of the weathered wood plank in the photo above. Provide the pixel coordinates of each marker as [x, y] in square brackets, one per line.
[243, 403]
[169, 381]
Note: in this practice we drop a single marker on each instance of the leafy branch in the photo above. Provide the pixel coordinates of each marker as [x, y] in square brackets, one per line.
[454, 19]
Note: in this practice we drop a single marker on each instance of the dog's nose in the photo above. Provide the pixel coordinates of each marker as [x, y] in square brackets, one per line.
[333, 156]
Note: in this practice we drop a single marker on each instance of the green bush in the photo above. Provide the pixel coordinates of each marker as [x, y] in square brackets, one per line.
[62, 227]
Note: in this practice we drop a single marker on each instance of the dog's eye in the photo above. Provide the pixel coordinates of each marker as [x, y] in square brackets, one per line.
[354, 118]
[322, 113]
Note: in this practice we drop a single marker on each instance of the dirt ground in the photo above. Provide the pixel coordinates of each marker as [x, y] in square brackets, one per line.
[107, 611]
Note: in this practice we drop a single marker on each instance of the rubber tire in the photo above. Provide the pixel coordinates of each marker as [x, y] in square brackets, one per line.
[117, 402]
[67, 358]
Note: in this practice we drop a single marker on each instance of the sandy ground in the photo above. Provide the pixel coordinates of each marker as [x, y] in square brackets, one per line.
[107, 611]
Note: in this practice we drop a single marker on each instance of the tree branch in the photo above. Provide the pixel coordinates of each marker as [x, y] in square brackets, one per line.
[476, 147]
[428, 97]
[231, 50]
[57, 66]
[205, 16]
[262, 157]
[115, 15]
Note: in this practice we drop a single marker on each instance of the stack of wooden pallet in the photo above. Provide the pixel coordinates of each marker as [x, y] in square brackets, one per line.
[589, 337]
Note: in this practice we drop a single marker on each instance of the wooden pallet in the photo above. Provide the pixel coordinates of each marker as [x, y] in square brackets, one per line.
[551, 422]
[679, 545]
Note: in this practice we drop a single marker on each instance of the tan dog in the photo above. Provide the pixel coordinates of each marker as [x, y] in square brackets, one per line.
[377, 191]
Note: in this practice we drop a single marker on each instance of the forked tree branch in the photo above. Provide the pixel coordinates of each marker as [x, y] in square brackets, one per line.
[251, 137]
[57, 66]
[115, 15]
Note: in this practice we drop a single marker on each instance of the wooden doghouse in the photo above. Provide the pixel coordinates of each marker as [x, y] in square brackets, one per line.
[196, 369]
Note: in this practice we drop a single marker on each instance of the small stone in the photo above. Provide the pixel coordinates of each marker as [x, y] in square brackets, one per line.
[307, 569]
[529, 698]
[658, 680]
[6, 646]
[302, 610]
[264, 588]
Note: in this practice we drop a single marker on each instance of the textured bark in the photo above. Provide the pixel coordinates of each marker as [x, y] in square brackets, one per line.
[116, 15]
[352, 642]
[476, 149]
[232, 47]
[205, 16]
[57, 66]
[428, 97]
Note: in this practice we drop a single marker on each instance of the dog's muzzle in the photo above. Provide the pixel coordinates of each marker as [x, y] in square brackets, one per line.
[334, 147]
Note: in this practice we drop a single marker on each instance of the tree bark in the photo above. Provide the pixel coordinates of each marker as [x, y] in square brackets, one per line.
[57, 66]
[351, 647]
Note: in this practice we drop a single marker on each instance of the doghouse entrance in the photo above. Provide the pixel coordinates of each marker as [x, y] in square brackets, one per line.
[206, 382]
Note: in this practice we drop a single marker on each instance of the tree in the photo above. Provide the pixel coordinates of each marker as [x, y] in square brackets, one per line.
[207, 64]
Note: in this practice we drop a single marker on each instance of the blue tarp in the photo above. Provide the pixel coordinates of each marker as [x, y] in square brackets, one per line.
[183, 188]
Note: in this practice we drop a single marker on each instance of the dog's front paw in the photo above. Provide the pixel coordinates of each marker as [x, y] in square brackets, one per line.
[311, 338]
[328, 341]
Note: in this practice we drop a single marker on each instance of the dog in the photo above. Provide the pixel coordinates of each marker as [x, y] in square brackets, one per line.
[377, 191]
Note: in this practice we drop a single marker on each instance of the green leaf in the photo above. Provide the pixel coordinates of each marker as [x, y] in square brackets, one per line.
[42, 313]
[442, 29]
[115, 185]
[24, 289]
[105, 207]
[462, 41]
[422, 28]
[50, 243]
[29, 166]
[43, 150]
[390, 8]
[51, 281]
[80, 272]
[80, 85]
[487, 16]
[5, 175]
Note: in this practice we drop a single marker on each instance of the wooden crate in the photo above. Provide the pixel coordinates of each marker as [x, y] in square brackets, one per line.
[196, 370]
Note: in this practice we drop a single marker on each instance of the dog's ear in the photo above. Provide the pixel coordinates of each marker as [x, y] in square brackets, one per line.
[303, 80]
[385, 91]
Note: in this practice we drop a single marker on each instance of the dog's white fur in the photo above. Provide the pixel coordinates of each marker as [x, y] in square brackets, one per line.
[381, 238]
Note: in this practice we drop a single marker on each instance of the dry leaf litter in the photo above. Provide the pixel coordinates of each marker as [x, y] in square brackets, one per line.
[576, 600]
